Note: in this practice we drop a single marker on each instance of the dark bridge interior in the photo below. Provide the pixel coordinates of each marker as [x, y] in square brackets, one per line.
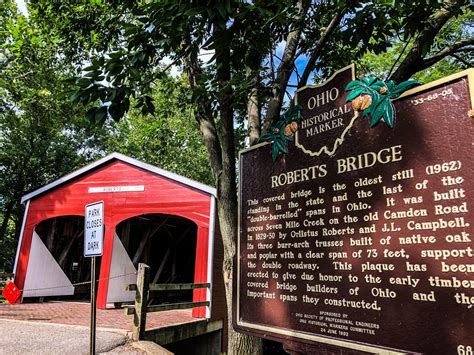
[167, 244]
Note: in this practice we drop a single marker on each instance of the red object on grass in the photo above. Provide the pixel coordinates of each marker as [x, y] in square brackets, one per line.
[11, 293]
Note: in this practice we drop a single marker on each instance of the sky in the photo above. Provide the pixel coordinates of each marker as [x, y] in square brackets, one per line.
[22, 7]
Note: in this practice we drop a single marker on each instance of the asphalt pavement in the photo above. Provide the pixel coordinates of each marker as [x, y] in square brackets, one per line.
[22, 337]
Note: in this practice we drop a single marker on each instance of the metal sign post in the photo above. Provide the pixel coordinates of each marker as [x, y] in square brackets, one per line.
[93, 245]
[93, 308]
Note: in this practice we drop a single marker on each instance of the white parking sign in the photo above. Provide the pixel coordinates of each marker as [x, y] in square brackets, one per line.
[94, 229]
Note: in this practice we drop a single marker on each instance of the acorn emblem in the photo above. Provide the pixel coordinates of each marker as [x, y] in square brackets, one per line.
[291, 128]
[362, 102]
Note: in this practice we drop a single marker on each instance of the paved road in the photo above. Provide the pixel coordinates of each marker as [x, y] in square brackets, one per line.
[21, 337]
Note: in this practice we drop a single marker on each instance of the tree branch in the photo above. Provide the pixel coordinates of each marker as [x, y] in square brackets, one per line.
[295, 68]
[272, 65]
[19, 76]
[253, 111]
[398, 58]
[286, 67]
[319, 46]
[160, 72]
[413, 61]
[454, 48]
[465, 62]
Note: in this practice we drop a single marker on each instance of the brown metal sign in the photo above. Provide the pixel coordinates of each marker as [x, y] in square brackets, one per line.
[363, 238]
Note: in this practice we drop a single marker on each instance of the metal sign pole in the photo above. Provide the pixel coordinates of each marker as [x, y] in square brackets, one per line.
[93, 308]
[94, 229]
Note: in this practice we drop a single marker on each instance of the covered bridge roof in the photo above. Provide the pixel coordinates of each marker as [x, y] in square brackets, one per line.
[117, 156]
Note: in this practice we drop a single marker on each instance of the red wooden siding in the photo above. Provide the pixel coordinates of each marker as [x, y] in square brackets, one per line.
[161, 195]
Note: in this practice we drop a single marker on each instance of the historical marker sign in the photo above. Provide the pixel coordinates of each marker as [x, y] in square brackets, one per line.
[94, 229]
[327, 117]
[367, 243]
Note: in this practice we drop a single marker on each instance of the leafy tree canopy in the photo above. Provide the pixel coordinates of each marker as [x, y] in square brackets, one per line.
[169, 139]
[455, 31]
[42, 135]
[126, 42]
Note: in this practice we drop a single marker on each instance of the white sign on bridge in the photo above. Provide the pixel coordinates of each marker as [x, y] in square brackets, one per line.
[94, 229]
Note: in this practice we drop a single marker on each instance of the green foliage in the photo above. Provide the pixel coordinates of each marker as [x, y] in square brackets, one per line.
[124, 43]
[169, 139]
[456, 29]
[8, 247]
[279, 134]
[381, 94]
[42, 136]
[154, 31]
[114, 52]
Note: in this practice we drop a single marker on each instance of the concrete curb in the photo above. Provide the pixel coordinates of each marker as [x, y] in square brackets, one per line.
[150, 347]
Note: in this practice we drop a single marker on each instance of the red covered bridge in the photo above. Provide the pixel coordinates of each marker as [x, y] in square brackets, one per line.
[151, 216]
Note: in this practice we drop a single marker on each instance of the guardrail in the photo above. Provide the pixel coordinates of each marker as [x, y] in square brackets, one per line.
[143, 287]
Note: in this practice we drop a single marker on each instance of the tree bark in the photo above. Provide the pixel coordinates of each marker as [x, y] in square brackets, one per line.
[253, 112]
[227, 198]
[204, 115]
[285, 68]
[413, 61]
[221, 152]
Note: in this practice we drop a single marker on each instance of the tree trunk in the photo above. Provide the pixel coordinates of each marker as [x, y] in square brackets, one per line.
[6, 218]
[221, 152]
[227, 211]
[316, 52]
[227, 197]
[253, 112]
